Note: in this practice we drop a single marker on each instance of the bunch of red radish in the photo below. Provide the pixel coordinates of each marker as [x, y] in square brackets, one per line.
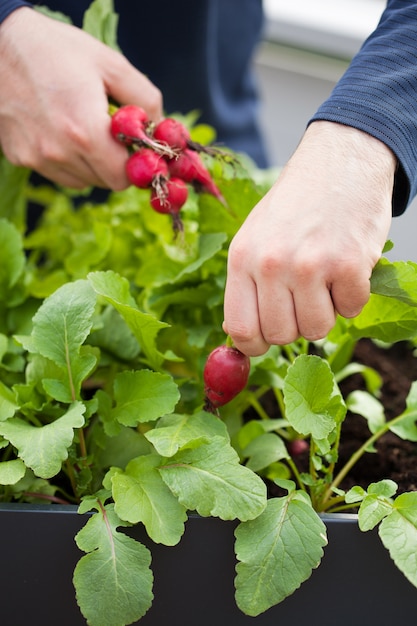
[163, 158]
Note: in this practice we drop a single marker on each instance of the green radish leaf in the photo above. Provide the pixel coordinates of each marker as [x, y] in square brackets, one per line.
[89, 248]
[264, 450]
[8, 402]
[60, 326]
[174, 432]
[277, 551]
[210, 480]
[376, 504]
[369, 407]
[12, 257]
[116, 291]
[395, 280]
[209, 245]
[13, 181]
[113, 581]
[313, 403]
[386, 319]
[143, 396]
[141, 495]
[101, 22]
[44, 448]
[12, 471]
[63, 322]
[398, 532]
[406, 427]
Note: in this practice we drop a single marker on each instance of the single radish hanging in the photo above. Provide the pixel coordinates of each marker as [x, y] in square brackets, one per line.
[129, 125]
[172, 202]
[226, 374]
[146, 169]
[189, 166]
[172, 132]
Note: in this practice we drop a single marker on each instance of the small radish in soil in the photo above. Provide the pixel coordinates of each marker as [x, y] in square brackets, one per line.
[172, 202]
[297, 447]
[146, 169]
[189, 166]
[129, 126]
[226, 374]
[172, 132]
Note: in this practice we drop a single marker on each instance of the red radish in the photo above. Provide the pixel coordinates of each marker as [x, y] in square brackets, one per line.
[226, 373]
[296, 447]
[189, 166]
[171, 201]
[172, 132]
[145, 168]
[176, 196]
[129, 125]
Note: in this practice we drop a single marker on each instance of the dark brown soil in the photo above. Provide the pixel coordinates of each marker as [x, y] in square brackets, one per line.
[395, 458]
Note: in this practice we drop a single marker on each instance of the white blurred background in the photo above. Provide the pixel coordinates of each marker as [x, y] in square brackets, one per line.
[307, 46]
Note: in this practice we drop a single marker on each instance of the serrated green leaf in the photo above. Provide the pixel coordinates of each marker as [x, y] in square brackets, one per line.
[13, 181]
[277, 552]
[60, 326]
[398, 532]
[174, 432]
[12, 471]
[12, 258]
[114, 336]
[44, 448]
[386, 319]
[116, 291]
[312, 404]
[395, 280]
[143, 396]
[113, 581]
[372, 510]
[355, 494]
[406, 427]
[264, 450]
[101, 22]
[210, 480]
[209, 245]
[8, 402]
[369, 407]
[141, 495]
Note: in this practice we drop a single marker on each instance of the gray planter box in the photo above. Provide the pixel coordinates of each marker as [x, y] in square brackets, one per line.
[356, 582]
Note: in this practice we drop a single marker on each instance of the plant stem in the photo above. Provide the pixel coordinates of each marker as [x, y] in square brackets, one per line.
[361, 451]
[280, 400]
[44, 496]
[70, 473]
[296, 473]
[83, 446]
[254, 402]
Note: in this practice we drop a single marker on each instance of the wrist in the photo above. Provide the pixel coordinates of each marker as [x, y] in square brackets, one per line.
[9, 9]
[349, 143]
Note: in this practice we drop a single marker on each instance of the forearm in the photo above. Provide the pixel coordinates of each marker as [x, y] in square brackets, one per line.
[378, 94]
[8, 6]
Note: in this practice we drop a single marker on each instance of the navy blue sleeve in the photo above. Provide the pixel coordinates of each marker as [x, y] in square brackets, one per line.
[8, 6]
[378, 93]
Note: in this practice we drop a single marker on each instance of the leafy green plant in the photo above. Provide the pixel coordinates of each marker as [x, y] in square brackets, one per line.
[106, 322]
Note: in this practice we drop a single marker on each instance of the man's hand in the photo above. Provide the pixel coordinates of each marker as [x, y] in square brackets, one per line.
[55, 83]
[306, 251]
